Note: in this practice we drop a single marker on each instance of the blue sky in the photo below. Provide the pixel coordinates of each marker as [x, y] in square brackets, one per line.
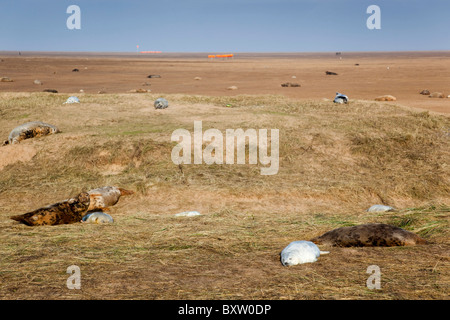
[225, 25]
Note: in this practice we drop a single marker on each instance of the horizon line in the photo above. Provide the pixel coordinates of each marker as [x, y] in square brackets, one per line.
[209, 52]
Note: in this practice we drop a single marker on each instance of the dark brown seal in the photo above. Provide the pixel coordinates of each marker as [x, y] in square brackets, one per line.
[369, 235]
[64, 212]
[289, 84]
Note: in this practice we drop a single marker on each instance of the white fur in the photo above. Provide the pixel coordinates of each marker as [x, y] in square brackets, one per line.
[188, 214]
[97, 217]
[380, 208]
[72, 100]
[299, 252]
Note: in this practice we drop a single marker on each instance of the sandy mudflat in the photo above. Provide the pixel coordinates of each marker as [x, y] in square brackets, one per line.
[401, 74]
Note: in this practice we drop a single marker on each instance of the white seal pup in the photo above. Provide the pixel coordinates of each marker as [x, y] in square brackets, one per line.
[380, 208]
[298, 252]
[188, 214]
[97, 217]
[340, 98]
[161, 103]
[72, 99]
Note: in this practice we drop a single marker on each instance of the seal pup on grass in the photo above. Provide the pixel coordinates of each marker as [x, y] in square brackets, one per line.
[298, 252]
[380, 208]
[369, 235]
[64, 212]
[97, 217]
[30, 130]
[105, 197]
[340, 98]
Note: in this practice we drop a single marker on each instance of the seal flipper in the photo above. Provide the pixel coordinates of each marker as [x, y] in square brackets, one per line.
[24, 218]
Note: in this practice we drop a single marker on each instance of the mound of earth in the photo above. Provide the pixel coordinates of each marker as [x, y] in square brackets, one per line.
[14, 153]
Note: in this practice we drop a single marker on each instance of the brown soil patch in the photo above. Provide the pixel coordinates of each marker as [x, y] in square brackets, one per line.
[11, 154]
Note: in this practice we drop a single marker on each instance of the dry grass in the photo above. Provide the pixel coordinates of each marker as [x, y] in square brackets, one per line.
[335, 161]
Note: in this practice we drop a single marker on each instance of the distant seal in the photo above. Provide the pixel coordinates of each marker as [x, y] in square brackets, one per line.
[97, 217]
[188, 214]
[30, 130]
[436, 95]
[340, 98]
[380, 208]
[64, 212]
[289, 84]
[72, 99]
[161, 103]
[298, 252]
[105, 197]
[369, 235]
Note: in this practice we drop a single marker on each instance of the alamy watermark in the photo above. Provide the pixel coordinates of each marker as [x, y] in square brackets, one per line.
[74, 20]
[74, 280]
[374, 281]
[374, 21]
[234, 139]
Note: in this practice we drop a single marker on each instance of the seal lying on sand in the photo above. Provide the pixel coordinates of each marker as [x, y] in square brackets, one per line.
[97, 217]
[106, 197]
[369, 235]
[30, 130]
[64, 212]
[299, 252]
[289, 84]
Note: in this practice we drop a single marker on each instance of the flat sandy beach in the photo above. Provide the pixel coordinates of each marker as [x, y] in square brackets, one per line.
[361, 76]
